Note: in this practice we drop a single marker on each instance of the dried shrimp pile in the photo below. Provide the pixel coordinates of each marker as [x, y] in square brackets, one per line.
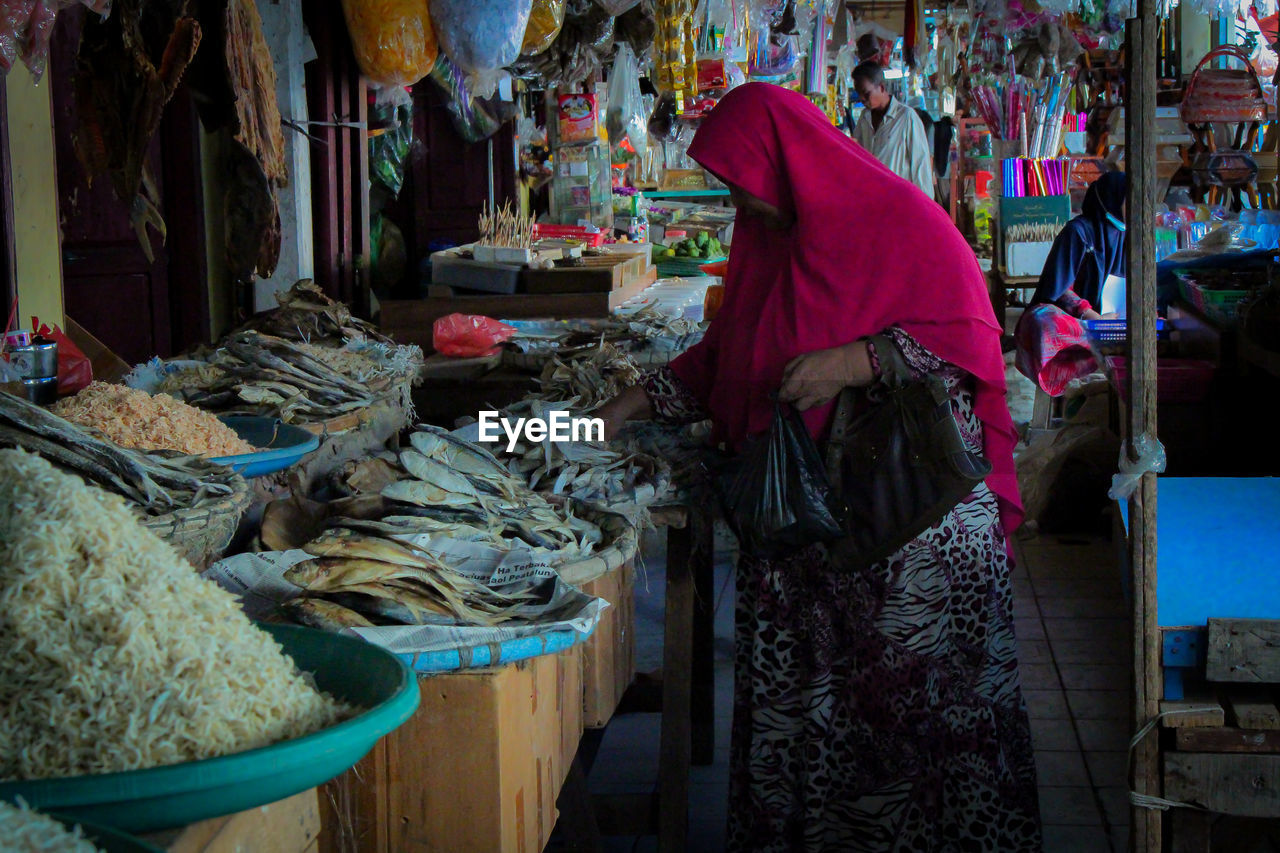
[133, 418]
[27, 831]
[117, 656]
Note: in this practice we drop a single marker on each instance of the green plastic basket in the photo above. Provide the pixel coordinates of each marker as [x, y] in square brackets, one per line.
[164, 797]
[685, 267]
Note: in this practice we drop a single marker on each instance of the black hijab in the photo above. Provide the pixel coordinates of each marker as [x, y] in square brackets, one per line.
[1090, 247]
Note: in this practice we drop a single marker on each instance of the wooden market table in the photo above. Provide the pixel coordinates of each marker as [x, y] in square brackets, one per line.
[291, 825]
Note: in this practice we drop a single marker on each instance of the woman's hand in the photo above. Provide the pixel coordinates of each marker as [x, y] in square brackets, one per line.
[812, 379]
[631, 403]
[1090, 314]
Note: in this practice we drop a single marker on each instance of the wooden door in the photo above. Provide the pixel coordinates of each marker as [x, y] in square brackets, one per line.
[451, 176]
[138, 307]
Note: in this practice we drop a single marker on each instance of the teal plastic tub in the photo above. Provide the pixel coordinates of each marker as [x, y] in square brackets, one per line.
[106, 839]
[282, 445]
[142, 801]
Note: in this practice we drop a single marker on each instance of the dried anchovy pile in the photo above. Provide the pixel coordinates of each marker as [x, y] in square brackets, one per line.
[155, 483]
[271, 376]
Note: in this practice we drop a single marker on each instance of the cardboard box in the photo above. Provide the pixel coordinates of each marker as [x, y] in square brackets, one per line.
[478, 767]
[107, 366]
[609, 656]
[1025, 259]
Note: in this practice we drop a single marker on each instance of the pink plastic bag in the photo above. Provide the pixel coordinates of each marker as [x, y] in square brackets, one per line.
[468, 335]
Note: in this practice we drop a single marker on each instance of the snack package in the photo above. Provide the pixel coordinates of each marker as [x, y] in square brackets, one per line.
[394, 41]
[545, 20]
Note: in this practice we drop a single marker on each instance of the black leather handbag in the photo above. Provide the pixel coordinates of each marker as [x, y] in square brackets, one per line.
[899, 467]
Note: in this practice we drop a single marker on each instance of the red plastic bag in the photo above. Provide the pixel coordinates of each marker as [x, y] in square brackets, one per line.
[75, 371]
[468, 335]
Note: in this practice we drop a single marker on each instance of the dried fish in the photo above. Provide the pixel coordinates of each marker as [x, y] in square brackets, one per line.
[322, 614]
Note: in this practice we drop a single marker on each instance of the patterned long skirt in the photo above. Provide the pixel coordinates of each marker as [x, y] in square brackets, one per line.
[880, 710]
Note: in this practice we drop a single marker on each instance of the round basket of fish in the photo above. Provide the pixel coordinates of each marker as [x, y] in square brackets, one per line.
[201, 532]
[453, 564]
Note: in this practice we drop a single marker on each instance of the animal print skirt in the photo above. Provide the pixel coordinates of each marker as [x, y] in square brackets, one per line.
[880, 710]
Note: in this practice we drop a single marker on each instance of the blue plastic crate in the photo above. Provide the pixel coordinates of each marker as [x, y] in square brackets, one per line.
[1117, 331]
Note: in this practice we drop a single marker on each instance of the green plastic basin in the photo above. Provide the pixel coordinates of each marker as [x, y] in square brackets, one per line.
[106, 839]
[164, 797]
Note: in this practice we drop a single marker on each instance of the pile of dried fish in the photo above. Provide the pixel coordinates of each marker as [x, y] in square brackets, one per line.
[357, 578]
[590, 379]
[155, 483]
[459, 490]
[307, 314]
[589, 471]
[266, 375]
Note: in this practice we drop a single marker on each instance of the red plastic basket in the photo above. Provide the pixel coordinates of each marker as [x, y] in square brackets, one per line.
[568, 232]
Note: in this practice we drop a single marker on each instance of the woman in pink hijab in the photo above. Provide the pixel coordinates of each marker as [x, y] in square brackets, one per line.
[877, 709]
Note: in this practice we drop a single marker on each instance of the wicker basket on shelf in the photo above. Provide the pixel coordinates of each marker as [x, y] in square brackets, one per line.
[201, 534]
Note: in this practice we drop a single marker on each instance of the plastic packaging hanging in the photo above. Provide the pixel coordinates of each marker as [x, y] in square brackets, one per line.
[776, 495]
[481, 36]
[545, 20]
[1151, 460]
[389, 150]
[394, 41]
[617, 7]
[26, 26]
[471, 118]
[626, 117]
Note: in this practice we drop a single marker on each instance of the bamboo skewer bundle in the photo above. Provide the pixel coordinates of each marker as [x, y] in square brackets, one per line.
[506, 228]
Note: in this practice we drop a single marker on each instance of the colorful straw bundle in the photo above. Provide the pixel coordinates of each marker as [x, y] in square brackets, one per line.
[1033, 177]
[1016, 109]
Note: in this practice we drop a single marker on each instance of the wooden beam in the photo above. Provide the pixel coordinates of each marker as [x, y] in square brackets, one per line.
[1235, 784]
[1251, 707]
[677, 675]
[1140, 135]
[1223, 739]
[1244, 650]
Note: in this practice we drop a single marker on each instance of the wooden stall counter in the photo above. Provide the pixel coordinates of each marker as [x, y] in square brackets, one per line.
[478, 767]
[288, 826]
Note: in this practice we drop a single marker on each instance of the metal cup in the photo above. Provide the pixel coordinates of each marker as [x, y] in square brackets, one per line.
[42, 391]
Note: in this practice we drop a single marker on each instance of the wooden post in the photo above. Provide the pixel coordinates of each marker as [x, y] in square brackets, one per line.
[1140, 130]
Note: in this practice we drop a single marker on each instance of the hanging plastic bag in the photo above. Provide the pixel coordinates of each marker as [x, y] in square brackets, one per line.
[545, 20]
[468, 335]
[481, 36]
[389, 150]
[471, 119]
[26, 26]
[626, 105]
[394, 41]
[75, 371]
[776, 496]
[617, 7]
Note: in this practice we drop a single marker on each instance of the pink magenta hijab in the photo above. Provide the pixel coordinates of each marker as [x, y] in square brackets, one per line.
[867, 251]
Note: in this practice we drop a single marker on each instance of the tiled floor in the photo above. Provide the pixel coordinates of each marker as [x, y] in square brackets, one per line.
[1074, 651]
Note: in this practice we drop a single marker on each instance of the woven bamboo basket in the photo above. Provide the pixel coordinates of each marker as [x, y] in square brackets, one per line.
[202, 533]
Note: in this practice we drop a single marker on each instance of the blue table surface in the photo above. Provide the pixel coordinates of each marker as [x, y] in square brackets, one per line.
[1217, 551]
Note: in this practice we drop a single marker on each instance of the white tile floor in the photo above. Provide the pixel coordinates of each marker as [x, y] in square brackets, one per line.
[1074, 651]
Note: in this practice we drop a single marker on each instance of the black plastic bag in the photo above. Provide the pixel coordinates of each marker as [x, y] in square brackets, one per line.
[776, 496]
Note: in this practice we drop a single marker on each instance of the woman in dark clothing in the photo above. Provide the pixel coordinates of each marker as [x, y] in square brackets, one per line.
[1088, 249]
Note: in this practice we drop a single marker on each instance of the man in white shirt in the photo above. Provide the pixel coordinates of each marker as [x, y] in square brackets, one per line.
[891, 130]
